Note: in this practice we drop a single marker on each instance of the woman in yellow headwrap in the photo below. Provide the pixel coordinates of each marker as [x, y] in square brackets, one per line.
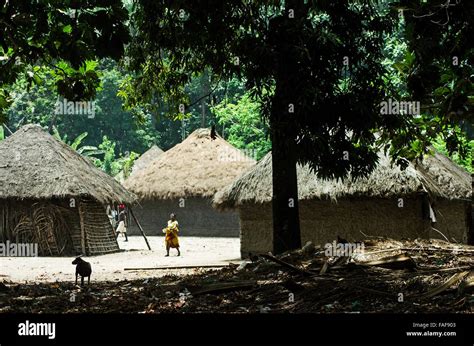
[171, 235]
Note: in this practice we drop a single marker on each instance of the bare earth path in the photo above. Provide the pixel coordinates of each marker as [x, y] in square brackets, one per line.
[194, 251]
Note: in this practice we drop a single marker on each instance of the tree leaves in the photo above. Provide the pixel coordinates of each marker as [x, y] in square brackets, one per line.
[244, 127]
[48, 32]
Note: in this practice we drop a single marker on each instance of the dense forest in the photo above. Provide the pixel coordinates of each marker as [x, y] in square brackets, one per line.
[114, 136]
[119, 132]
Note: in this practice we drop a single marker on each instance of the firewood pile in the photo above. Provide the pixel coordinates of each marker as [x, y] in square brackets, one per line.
[387, 276]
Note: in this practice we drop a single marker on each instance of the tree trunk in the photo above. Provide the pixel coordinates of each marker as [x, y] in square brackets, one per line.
[283, 114]
[286, 224]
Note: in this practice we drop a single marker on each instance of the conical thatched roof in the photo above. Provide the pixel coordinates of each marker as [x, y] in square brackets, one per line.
[197, 167]
[437, 175]
[146, 158]
[143, 161]
[35, 165]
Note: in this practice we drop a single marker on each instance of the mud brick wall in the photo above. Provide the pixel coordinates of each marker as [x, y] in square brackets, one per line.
[196, 217]
[354, 219]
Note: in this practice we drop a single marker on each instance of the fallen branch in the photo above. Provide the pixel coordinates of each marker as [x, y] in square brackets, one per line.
[324, 268]
[287, 265]
[467, 285]
[401, 261]
[434, 229]
[223, 287]
[438, 250]
[437, 290]
[380, 251]
[183, 267]
[421, 272]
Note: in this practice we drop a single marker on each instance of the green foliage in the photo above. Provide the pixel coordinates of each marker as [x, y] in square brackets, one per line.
[113, 164]
[33, 103]
[244, 127]
[464, 160]
[397, 61]
[88, 151]
[437, 72]
[125, 164]
[36, 104]
[300, 58]
[85, 80]
[107, 163]
[63, 35]
[75, 144]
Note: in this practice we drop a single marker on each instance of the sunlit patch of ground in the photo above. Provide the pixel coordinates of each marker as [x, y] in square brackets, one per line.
[194, 251]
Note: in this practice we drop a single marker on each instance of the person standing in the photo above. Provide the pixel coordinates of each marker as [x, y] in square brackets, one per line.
[122, 219]
[171, 235]
[112, 215]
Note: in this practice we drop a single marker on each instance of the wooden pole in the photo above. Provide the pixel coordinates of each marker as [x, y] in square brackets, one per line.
[140, 227]
[203, 120]
[2, 225]
[83, 231]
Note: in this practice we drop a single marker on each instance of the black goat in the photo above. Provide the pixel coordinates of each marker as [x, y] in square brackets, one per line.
[83, 269]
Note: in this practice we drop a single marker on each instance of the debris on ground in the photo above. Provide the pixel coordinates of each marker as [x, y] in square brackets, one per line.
[421, 276]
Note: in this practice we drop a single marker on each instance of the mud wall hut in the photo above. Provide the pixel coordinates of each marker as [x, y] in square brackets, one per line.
[52, 196]
[427, 200]
[183, 180]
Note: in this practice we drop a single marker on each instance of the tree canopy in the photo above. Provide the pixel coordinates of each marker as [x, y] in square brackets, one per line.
[327, 83]
[64, 35]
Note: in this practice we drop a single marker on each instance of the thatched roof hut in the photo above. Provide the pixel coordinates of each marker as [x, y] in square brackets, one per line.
[197, 167]
[52, 195]
[437, 175]
[35, 165]
[187, 176]
[390, 202]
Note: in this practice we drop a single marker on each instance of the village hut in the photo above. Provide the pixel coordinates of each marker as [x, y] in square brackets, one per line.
[52, 196]
[143, 161]
[426, 200]
[183, 180]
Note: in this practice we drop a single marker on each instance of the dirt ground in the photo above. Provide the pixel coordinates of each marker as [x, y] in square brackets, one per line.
[420, 276]
[194, 251]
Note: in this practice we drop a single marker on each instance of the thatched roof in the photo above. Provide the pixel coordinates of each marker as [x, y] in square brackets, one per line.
[197, 167]
[437, 175]
[146, 158]
[35, 165]
[143, 161]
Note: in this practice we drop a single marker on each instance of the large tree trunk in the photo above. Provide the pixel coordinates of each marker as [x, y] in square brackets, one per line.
[284, 111]
[286, 224]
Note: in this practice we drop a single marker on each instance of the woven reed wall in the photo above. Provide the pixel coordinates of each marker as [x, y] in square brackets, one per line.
[38, 222]
[56, 226]
[99, 234]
